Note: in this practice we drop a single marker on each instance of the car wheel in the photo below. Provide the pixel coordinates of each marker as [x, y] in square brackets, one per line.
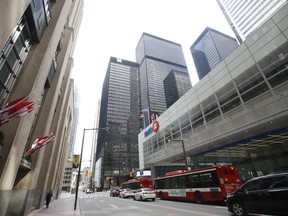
[238, 209]
[153, 199]
[198, 198]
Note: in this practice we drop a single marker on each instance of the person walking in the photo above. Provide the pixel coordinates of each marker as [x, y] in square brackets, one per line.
[48, 198]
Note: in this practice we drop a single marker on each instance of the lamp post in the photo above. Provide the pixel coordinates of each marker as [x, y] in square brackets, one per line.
[79, 170]
[184, 152]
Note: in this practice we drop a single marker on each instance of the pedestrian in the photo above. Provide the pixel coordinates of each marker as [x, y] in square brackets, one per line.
[48, 198]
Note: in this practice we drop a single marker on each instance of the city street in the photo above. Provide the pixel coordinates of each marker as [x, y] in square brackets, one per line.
[100, 203]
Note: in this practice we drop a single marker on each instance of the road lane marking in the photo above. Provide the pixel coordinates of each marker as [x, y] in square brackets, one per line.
[220, 207]
[113, 206]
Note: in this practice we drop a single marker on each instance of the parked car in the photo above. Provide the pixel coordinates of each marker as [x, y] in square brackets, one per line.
[144, 194]
[114, 192]
[261, 195]
[88, 191]
[126, 193]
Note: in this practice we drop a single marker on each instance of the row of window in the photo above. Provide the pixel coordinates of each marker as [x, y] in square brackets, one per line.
[16, 49]
[12, 57]
[197, 180]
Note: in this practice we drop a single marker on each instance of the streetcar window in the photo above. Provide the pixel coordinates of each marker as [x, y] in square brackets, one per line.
[167, 183]
[160, 183]
[182, 181]
[193, 181]
[174, 182]
[206, 179]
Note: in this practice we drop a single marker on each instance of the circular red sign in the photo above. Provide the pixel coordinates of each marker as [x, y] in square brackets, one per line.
[155, 126]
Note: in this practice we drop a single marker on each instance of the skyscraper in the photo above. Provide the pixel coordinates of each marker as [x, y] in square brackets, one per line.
[210, 48]
[117, 147]
[156, 58]
[246, 16]
[176, 84]
[72, 140]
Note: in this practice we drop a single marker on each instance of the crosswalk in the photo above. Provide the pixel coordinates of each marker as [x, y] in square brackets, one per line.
[94, 196]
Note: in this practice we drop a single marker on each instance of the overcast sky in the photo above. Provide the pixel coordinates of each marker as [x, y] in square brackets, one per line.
[114, 27]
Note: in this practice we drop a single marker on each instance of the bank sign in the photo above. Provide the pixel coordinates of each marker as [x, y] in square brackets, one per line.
[154, 128]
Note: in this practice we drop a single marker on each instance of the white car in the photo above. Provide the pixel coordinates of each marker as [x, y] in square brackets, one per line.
[126, 193]
[88, 191]
[144, 194]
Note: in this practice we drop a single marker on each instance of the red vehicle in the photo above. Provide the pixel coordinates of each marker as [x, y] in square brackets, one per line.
[136, 184]
[203, 185]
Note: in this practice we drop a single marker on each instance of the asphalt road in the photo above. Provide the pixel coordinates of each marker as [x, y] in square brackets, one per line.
[101, 204]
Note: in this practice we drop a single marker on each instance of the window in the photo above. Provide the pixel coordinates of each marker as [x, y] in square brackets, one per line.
[252, 186]
[47, 10]
[12, 58]
[174, 183]
[206, 179]
[182, 181]
[193, 181]
[275, 182]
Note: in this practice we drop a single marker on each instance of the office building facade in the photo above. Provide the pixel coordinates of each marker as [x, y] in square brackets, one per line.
[95, 176]
[117, 146]
[236, 115]
[36, 44]
[244, 17]
[210, 48]
[176, 84]
[72, 140]
[156, 57]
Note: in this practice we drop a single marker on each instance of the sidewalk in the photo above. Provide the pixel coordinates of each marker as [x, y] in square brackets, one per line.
[62, 206]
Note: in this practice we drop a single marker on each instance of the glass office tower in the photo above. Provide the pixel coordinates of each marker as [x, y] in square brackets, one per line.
[246, 16]
[210, 48]
[156, 58]
[117, 147]
[176, 84]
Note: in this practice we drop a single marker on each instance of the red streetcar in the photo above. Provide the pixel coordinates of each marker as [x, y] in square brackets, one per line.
[203, 185]
[136, 184]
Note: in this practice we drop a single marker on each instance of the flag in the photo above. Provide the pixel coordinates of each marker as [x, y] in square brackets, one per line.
[12, 104]
[39, 143]
[152, 117]
[16, 109]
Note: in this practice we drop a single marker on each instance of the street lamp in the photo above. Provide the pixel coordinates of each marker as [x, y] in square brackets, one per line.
[78, 177]
[184, 151]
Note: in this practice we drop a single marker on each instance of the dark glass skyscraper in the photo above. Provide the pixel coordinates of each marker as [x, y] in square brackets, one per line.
[210, 48]
[176, 84]
[117, 148]
[156, 58]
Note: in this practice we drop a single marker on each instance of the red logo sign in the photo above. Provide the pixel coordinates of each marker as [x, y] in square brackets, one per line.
[155, 126]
